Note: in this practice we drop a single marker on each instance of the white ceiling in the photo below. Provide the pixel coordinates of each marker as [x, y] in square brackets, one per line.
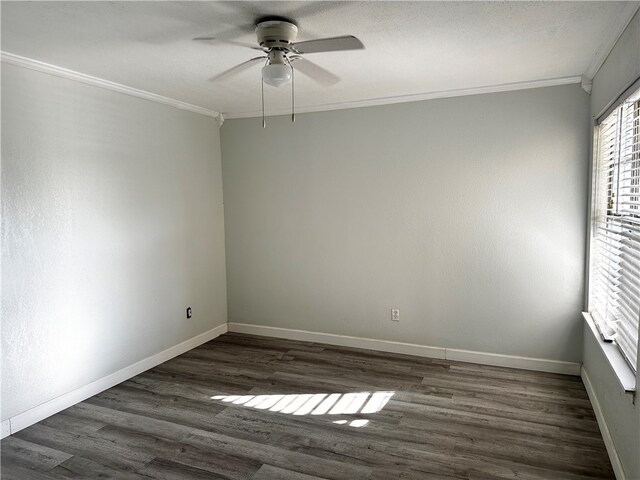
[411, 47]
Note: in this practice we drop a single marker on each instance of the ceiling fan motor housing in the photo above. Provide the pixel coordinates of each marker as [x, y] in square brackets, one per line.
[276, 34]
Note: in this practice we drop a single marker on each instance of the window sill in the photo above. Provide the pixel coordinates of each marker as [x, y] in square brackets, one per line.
[625, 375]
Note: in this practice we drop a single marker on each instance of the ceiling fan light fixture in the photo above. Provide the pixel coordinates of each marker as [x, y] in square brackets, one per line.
[276, 74]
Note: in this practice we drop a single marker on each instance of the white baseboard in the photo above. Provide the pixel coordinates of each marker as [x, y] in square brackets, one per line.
[36, 414]
[341, 340]
[604, 429]
[5, 428]
[511, 361]
[514, 361]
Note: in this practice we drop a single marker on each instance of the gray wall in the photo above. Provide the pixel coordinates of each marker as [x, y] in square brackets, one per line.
[112, 224]
[465, 213]
[621, 68]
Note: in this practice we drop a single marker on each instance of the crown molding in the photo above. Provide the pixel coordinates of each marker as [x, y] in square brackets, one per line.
[417, 97]
[614, 34]
[25, 62]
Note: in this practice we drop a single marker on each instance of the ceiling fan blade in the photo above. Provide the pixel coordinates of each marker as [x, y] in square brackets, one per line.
[334, 44]
[315, 72]
[237, 69]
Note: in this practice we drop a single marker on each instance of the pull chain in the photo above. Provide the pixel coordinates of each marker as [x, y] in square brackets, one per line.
[264, 122]
[293, 98]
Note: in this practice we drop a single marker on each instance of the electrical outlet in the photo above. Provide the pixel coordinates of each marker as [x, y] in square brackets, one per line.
[395, 314]
[189, 312]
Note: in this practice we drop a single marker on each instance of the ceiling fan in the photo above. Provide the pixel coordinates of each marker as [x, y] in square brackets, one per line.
[276, 38]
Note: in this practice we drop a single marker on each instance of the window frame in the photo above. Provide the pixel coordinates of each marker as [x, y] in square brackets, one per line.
[625, 372]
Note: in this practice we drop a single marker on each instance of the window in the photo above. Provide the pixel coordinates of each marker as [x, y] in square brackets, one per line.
[614, 298]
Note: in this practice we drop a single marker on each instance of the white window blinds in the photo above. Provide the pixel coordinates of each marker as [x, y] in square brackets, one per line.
[615, 280]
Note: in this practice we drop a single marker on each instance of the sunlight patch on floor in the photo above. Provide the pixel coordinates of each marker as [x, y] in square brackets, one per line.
[315, 404]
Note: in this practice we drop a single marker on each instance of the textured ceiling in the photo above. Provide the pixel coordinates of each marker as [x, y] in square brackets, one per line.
[411, 47]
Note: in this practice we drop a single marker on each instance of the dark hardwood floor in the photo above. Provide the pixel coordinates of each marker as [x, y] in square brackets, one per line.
[441, 419]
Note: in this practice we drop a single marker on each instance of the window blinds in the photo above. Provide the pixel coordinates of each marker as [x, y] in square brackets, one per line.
[615, 280]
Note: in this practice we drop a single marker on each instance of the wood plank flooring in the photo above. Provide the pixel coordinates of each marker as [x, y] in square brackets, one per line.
[444, 420]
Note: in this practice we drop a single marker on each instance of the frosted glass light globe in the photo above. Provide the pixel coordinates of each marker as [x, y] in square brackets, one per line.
[276, 74]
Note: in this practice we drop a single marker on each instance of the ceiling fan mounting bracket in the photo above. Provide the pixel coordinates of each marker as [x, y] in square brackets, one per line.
[276, 33]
